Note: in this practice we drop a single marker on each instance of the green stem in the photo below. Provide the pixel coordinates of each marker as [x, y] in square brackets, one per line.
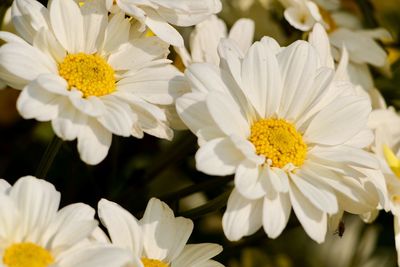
[211, 206]
[48, 157]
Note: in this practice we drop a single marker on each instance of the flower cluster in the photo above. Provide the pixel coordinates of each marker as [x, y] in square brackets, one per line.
[297, 127]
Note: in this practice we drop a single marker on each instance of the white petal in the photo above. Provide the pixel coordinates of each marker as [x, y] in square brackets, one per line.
[46, 42]
[9, 218]
[117, 117]
[138, 54]
[347, 155]
[67, 23]
[162, 29]
[320, 195]
[249, 180]
[196, 255]
[38, 203]
[36, 103]
[339, 121]
[187, 12]
[68, 123]
[218, 157]
[320, 40]
[24, 63]
[192, 109]
[260, 74]
[122, 227]
[298, 67]
[157, 85]
[98, 255]
[164, 235]
[4, 186]
[276, 213]
[227, 115]
[243, 33]
[95, 17]
[312, 219]
[91, 106]
[93, 142]
[72, 224]
[116, 33]
[29, 17]
[243, 217]
[353, 196]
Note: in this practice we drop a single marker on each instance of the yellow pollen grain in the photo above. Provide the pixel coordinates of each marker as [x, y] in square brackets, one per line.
[153, 263]
[279, 141]
[27, 254]
[90, 74]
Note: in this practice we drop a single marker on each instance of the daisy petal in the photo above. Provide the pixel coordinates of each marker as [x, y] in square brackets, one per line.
[93, 142]
[73, 224]
[242, 216]
[196, 254]
[312, 219]
[122, 227]
[276, 213]
[317, 193]
[24, 63]
[249, 180]
[38, 203]
[67, 23]
[164, 235]
[339, 121]
[162, 29]
[218, 157]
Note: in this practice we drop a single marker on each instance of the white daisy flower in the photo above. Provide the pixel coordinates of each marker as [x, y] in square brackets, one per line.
[81, 71]
[206, 36]
[159, 14]
[35, 233]
[278, 121]
[158, 239]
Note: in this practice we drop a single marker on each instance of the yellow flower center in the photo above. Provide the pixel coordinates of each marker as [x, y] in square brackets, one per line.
[90, 74]
[153, 263]
[27, 254]
[279, 141]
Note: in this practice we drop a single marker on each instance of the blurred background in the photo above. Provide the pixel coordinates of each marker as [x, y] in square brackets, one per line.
[136, 170]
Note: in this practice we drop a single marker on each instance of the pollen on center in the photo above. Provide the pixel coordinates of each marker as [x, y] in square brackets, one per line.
[153, 263]
[27, 254]
[90, 74]
[279, 141]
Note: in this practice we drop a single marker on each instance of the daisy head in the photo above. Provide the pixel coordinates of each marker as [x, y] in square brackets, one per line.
[80, 69]
[292, 136]
[158, 239]
[35, 233]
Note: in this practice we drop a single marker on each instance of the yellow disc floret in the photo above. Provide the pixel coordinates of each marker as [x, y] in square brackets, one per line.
[27, 254]
[90, 74]
[153, 263]
[279, 141]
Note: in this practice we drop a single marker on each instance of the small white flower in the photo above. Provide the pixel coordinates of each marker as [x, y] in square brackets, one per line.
[159, 14]
[158, 239]
[206, 36]
[279, 122]
[302, 14]
[79, 69]
[35, 233]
